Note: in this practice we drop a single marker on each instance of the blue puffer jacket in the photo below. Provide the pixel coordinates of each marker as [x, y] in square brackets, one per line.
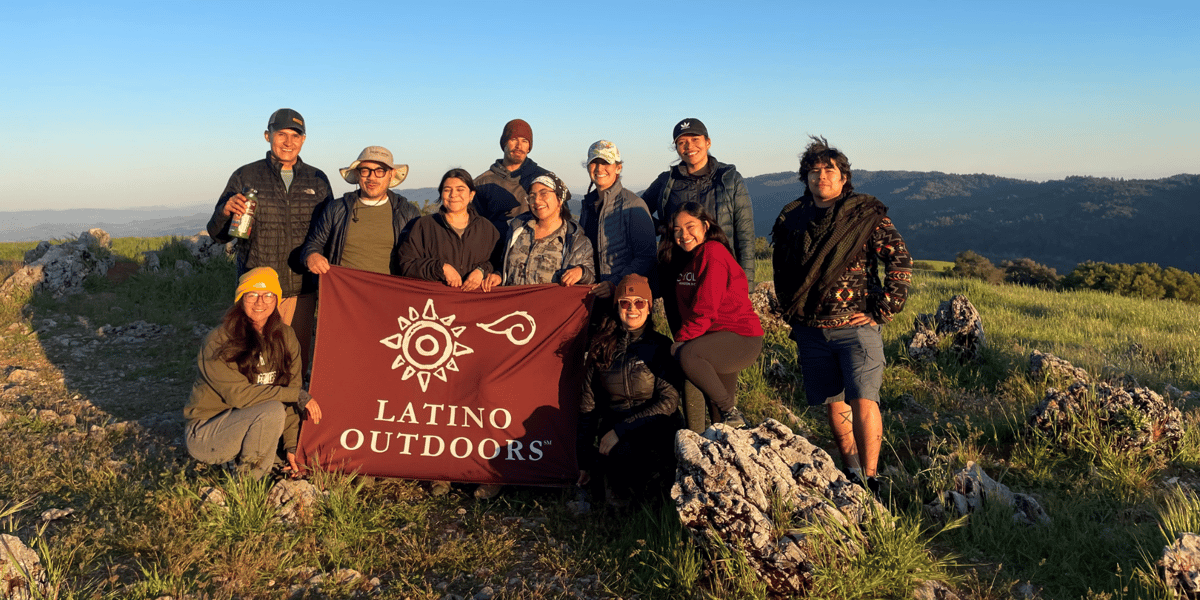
[722, 192]
[618, 223]
[327, 234]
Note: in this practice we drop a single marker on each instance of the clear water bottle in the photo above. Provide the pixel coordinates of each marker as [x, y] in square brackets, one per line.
[240, 226]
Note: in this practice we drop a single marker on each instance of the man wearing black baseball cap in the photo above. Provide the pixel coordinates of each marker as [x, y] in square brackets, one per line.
[289, 191]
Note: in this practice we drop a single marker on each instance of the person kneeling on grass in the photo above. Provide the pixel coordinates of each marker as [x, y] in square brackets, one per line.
[629, 399]
[247, 401]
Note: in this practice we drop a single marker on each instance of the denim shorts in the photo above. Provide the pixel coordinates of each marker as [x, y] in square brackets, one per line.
[839, 364]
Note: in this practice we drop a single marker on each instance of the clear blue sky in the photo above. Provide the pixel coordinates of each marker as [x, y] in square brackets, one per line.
[122, 104]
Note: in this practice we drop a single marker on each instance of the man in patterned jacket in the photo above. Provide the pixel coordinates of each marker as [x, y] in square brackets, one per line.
[829, 244]
[289, 191]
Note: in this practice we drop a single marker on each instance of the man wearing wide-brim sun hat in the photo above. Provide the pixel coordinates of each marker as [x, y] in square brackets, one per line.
[362, 229]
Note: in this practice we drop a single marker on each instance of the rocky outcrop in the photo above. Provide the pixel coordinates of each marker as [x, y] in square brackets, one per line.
[137, 332]
[294, 498]
[202, 248]
[730, 482]
[956, 319]
[21, 574]
[1181, 566]
[1044, 366]
[1181, 396]
[934, 590]
[60, 269]
[766, 305]
[973, 489]
[1136, 419]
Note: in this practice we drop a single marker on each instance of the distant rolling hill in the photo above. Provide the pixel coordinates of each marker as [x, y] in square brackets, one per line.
[34, 225]
[1058, 223]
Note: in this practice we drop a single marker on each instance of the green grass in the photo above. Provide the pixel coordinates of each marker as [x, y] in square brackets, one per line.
[1093, 330]
[125, 247]
[141, 531]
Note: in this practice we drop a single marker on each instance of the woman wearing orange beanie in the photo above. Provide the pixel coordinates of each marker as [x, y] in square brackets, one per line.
[247, 402]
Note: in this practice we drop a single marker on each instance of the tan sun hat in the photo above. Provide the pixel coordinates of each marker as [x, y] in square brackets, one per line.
[377, 154]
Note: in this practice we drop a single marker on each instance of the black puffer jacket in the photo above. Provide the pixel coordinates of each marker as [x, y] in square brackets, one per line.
[327, 235]
[280, 223]
[640, 384]
[722, 191]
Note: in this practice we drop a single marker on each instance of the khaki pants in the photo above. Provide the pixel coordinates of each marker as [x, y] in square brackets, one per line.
[300, 312]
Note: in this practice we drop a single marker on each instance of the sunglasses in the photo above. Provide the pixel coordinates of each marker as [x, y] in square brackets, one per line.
[626, 303]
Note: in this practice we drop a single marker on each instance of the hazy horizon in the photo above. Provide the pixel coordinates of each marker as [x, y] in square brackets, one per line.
[207, 204]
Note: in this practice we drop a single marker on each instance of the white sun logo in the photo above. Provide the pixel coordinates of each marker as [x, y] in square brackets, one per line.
[427, 345]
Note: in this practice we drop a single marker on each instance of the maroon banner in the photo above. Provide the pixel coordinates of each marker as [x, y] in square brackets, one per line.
[423, 381]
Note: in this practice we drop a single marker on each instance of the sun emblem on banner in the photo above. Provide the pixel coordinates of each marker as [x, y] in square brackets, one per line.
[427, 343]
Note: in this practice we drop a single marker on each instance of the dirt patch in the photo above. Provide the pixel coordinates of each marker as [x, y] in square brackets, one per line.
[121, 271]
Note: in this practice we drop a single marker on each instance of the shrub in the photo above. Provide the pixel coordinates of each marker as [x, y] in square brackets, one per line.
[1142, 280]
[1024, 271]
[762, 248]
[973, 266]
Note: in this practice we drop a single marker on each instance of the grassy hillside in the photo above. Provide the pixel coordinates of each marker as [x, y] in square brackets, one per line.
[140, 529]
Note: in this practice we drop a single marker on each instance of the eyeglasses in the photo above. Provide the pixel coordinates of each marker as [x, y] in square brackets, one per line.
[378, 171]
[543, 193]
[254, 296]
[626, 303]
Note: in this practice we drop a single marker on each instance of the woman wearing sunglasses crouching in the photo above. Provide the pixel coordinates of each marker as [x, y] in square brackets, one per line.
[717, 333]
[630, 399]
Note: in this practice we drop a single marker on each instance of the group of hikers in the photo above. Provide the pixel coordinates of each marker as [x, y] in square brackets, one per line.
[688, 238]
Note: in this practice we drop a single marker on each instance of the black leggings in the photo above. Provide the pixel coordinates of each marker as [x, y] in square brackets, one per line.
[712, 363]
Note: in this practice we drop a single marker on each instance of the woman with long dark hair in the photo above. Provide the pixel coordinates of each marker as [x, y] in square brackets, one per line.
[630, 400]
[717, 333]
[247, 401]
[453, 245]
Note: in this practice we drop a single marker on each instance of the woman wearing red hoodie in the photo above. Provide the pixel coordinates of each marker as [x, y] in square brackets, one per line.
[717, 333]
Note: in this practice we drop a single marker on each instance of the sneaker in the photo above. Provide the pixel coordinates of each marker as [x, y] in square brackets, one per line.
[733, 418]
[854, 478]
[873, 487]
[439, 488]
[487, 491]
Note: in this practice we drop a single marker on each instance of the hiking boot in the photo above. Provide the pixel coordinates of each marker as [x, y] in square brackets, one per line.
[487, 491]
[733, 418]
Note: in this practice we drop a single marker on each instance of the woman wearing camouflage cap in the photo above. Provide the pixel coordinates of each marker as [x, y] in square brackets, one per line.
[616, 221]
